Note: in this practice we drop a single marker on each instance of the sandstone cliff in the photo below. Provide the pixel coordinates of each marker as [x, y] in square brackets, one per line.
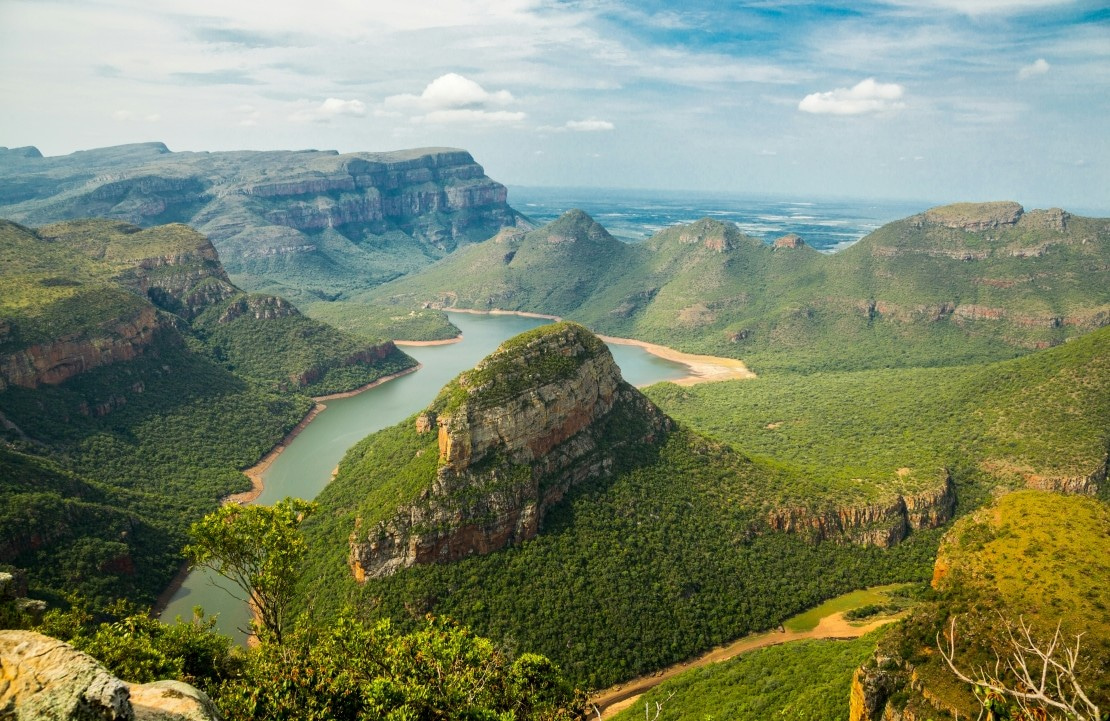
[57, 360]
[281, 215]
[547, 411]
[880, 524]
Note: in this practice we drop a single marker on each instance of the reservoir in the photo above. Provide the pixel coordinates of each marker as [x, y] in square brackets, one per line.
[306, 465]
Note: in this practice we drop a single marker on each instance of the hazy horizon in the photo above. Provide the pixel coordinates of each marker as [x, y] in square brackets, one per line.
[947, 100]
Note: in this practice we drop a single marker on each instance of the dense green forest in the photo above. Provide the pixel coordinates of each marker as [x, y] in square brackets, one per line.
[1037, 419]
[629, 574]
[138, 382]
[916, 292]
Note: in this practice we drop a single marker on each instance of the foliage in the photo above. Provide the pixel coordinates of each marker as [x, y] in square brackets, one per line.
[802, 680]
[102, 474]
[259, 549]
[524, 361]
[382, 321]
[1036, 556]
[140, 649]
[866, 434]
[301, 353]
[354, 670]
[630, 573]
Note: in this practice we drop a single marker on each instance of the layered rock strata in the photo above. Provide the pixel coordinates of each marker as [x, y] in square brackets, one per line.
[882, 524]
[544, 413]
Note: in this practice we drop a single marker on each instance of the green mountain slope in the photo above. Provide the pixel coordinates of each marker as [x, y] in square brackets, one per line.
[132, 369]
[645, 544]
[953, 285]
[1039, 420]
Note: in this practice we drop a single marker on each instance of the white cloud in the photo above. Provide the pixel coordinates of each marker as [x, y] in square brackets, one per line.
[470, 116]
[588, 126]
[866, 96]
[450, 91]
[328, 110]
[1038, 67]
[982, 7]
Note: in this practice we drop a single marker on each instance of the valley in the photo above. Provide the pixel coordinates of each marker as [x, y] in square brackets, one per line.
[540, 484]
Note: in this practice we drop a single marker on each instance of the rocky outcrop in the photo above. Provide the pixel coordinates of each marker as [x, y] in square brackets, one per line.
[43, 679]
[185, 282]
[789, 241]
[260, 307]
[54, 362]
[1080, 485]
[547, 411]
[711, 234]
[882, 524]
[974, 216]
[872, 685]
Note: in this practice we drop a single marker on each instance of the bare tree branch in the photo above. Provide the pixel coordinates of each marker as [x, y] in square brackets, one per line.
[1054, 685]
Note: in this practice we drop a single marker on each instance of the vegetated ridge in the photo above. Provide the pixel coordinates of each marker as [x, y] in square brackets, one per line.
[541, 499]
[305, 224]
[135, 381]
[1030, 557]
[956, 284]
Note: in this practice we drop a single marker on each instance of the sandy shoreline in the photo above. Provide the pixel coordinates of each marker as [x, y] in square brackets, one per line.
[255, 473]
[425, 343]
[703, 368]
[833, 626]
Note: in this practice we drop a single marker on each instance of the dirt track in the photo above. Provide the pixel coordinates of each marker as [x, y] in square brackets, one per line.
[620, 697]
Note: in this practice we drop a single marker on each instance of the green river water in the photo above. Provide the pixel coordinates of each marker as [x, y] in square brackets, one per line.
[306, 464]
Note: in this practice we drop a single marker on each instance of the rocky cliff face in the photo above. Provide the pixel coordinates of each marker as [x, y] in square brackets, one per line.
[880, 524]
[544, 413]
[56, 361]
[258, 205]
[43, 678]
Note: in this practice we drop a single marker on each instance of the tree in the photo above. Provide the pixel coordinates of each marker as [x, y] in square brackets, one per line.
[1042, 676]
[259, 549]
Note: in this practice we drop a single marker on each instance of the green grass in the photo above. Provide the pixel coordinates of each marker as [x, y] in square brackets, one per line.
[1030, 556]
[866, 435]
[848, 602]
[804, 680]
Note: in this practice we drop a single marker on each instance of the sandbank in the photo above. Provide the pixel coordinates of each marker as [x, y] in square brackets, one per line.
[423, 343]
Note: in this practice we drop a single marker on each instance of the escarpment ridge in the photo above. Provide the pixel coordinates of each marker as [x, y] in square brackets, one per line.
[300, 222]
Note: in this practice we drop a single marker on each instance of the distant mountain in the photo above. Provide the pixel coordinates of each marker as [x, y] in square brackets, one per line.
[956, 284]
[135, 382]
[306, 224]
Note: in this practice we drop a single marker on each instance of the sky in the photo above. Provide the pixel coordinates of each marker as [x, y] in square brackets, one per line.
[939, 100]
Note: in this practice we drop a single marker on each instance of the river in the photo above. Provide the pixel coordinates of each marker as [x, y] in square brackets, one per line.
[306, 465]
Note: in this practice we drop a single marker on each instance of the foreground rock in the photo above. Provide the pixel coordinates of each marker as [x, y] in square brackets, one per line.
[43, 679]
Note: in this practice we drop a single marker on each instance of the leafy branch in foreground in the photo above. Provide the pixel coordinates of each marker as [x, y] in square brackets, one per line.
[1044, 676]
[258, 548]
